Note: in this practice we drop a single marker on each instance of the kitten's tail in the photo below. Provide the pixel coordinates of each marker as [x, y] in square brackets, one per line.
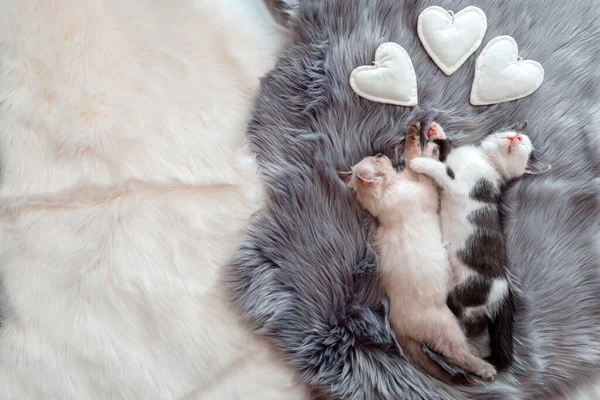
[433, 364]
[501, 334]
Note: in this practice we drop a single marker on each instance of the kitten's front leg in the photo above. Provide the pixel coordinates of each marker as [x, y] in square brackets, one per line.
[412, 143]
[444, 176]
[437, 146]
[435, 131]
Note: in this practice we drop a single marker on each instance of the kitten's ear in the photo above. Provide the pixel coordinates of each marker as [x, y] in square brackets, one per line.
[535, 166]
[345, 176]
[519, 127]
[366, 178]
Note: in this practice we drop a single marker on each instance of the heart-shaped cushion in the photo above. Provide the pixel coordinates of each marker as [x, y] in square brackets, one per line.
[392, 80]
[500, 75]
[450, 39]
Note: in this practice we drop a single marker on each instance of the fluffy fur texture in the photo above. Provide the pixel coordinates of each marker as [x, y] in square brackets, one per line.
[304, 278]
[126, 185]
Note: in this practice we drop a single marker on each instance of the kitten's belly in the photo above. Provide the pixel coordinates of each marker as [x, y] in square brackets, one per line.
[414, 264]
[115, 290]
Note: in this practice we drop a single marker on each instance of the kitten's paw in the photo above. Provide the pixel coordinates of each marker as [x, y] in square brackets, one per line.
[435, 131]
[418, 164]
[414, 130]
[488, 372]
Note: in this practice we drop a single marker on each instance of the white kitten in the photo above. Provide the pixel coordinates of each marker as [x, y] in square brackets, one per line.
[413, 263]
[471, 182]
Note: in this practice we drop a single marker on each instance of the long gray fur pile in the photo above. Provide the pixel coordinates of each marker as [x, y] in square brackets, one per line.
[303, 277]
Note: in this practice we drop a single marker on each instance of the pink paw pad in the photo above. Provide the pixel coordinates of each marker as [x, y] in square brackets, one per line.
[435, 131]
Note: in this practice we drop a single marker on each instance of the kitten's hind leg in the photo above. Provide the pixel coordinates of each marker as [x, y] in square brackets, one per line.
[441, 331]
[412, 143]
[443, 175]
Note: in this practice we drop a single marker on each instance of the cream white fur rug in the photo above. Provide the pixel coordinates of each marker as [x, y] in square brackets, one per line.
[126, 185]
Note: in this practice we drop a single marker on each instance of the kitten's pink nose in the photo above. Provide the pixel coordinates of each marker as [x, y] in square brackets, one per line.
[512, 140]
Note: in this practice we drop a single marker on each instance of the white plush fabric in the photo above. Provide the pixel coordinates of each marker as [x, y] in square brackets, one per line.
[390, 80]
[500, 75]
[126, 186]
[449, 38]
[592, 392]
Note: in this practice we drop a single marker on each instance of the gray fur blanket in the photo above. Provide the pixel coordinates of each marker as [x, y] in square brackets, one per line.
[303, 277]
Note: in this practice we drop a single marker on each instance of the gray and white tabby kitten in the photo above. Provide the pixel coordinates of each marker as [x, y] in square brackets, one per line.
[471, 181]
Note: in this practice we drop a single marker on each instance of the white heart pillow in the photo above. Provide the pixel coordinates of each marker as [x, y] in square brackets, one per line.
[392, 80]
[450, 38]
[500, 74]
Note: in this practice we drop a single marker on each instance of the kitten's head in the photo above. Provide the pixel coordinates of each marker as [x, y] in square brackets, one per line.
[512, 153]
[369, 180]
